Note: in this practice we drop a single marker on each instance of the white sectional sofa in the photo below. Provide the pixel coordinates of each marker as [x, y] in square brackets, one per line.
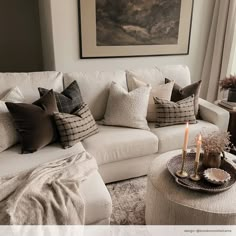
[124, 153]
[120, 152]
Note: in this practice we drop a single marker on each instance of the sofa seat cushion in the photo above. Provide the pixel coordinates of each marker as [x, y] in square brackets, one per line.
[172, 137]
[112, 144]
[12, 161]
[98, 205]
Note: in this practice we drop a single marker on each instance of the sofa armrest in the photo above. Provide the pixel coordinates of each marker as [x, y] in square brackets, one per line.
[214, 114]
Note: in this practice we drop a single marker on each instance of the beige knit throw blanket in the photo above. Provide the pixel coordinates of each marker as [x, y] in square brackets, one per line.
[48, 194]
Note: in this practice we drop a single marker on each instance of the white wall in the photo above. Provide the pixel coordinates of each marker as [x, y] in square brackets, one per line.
[232, 64]
[65, 35]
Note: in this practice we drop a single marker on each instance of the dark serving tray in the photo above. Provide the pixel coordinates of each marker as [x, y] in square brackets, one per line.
[202, 185]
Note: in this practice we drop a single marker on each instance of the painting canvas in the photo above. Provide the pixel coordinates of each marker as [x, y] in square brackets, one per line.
[137, 22]
[134, 27]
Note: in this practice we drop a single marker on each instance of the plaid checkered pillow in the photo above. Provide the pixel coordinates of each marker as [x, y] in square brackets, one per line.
[67, 101]
[75, 127]
[171, 113]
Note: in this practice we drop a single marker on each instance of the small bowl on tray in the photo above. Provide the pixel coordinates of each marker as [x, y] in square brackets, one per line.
[216, 176]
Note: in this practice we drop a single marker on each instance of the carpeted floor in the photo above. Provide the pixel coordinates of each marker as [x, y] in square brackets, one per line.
[128, 201]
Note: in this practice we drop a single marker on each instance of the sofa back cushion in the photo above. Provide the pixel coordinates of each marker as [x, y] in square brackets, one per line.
[94, 87]
[156, 76]
[28, 83]
[179, 73]
[152, 76]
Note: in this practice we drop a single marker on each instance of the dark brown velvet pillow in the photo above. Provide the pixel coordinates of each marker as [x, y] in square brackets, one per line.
[34, 122]
[179, 93]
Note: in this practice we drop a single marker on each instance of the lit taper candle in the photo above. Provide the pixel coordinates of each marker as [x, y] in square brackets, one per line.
[182, 173]
[199, 144]
[186, 137]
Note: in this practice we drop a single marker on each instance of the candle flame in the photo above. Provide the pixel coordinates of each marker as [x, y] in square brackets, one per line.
[200, 137]
[187, 125]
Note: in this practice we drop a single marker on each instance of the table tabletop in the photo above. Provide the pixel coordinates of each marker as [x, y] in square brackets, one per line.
[165, 183]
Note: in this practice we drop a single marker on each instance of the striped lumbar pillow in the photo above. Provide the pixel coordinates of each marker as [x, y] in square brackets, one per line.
[75, 127]
[171, 113]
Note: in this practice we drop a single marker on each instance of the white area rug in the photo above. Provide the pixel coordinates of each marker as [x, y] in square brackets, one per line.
[128, 201]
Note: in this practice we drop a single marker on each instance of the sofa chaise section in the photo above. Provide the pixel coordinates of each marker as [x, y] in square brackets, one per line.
[97, 200]
[96, 197]
[98, 205]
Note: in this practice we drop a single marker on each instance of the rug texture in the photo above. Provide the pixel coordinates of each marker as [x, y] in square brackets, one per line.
[128, 201]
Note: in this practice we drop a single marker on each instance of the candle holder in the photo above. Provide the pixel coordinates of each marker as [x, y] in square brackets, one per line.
[182, 173]
[195, 176]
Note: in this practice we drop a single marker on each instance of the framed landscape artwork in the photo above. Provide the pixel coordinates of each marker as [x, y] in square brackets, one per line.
[121, 28]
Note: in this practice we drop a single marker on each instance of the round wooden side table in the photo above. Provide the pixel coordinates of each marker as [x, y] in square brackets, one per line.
[170, 204]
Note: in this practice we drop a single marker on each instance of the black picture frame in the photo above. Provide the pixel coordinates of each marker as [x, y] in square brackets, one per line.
[88, 38]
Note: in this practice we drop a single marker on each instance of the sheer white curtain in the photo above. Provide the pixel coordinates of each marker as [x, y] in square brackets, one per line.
[219, 48]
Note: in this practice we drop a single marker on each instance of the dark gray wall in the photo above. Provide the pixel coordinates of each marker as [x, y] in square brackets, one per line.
[20, 38]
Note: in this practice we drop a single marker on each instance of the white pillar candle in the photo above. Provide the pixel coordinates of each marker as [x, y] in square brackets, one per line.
[186, 137]
[199, 143]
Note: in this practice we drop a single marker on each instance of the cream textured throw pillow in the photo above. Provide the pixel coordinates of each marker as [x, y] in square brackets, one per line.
[127, 109]
[162, 91]
[8, 133]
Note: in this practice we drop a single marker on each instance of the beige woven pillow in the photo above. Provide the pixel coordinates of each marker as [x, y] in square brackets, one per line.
[8, 133]
[127, 109]
[162, 91]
